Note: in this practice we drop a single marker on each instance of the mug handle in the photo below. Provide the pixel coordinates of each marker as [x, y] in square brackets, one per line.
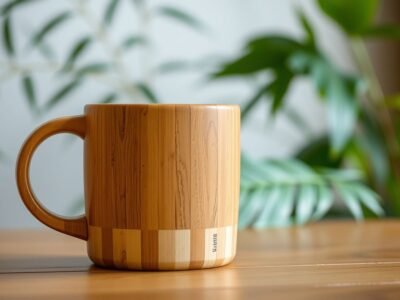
[76, 227]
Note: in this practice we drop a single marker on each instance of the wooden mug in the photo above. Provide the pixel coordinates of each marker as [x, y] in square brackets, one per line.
[161, 184]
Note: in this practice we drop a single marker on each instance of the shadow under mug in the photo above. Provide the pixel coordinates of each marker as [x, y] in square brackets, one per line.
[161, 184]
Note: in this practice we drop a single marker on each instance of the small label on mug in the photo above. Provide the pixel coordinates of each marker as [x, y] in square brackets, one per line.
[214, 244]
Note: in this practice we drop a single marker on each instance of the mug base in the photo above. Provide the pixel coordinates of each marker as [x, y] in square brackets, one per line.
[175, 249]
[195, 265]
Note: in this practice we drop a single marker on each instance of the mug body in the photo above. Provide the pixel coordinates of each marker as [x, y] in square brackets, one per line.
[162, 185]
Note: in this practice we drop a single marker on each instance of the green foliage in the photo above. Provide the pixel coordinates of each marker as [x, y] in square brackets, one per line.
[93, 68]
[341, 92]
[7, 37]
[77, 50]
[110, 11]
[253, 101]
[387, 31]
[278, 88]
[286, 59]
[369, 145]
[132, 41]
[12, 4]
[276, 193]
[393, 101]
[273, 192]
[62, 93]
[298, 122]
[317, 153]
[356, 18]
[353, 16]
[176, 65]
[262, 53]
[29, 90]
[50, 26]
[285, 192]
[181, 17]
[72, 69]
[147, 92]
[110, 98]
[310, 38]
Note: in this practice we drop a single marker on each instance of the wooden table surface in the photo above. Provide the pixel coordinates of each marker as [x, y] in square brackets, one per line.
[319, 261]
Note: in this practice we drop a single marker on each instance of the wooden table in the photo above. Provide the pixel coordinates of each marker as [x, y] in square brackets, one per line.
[320, 261]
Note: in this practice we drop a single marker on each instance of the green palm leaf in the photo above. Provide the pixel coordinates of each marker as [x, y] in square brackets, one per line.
[110, 11]
[325, 201]
[284, 192]
[305, 206]
[110, 98]
[7, 37]
[147, 92]
[132, 41]
[75, 52]
[10, 5]
[181, 16]
[51, 25]
[93, 68]
[62, 93]
[29, 90]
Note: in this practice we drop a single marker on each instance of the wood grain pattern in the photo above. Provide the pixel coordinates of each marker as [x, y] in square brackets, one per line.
[204, 167]
[167, 174]
[166, 249]
[197, 245]
[149, 242]
[95, 243]
[183, 166]
[153, 168]
[76, 227]
[127, 248]
[182, 249]
[329, 260]
[176, 164]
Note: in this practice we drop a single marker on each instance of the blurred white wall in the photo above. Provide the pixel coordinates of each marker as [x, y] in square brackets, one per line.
[57, 166]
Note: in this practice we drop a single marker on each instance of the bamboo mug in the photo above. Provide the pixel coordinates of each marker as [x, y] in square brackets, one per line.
[161, 184]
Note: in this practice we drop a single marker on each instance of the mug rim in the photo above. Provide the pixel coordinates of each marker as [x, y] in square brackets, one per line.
[161, 105]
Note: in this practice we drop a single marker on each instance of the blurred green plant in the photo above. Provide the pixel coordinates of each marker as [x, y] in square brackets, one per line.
[110, 71]
[286, 192]
[361, 131]
[273, 192]
[73, 73]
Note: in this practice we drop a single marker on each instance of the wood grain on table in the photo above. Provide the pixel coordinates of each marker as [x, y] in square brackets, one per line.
[319, 261]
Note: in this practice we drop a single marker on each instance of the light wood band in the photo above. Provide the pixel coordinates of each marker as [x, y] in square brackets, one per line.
[162, 249]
